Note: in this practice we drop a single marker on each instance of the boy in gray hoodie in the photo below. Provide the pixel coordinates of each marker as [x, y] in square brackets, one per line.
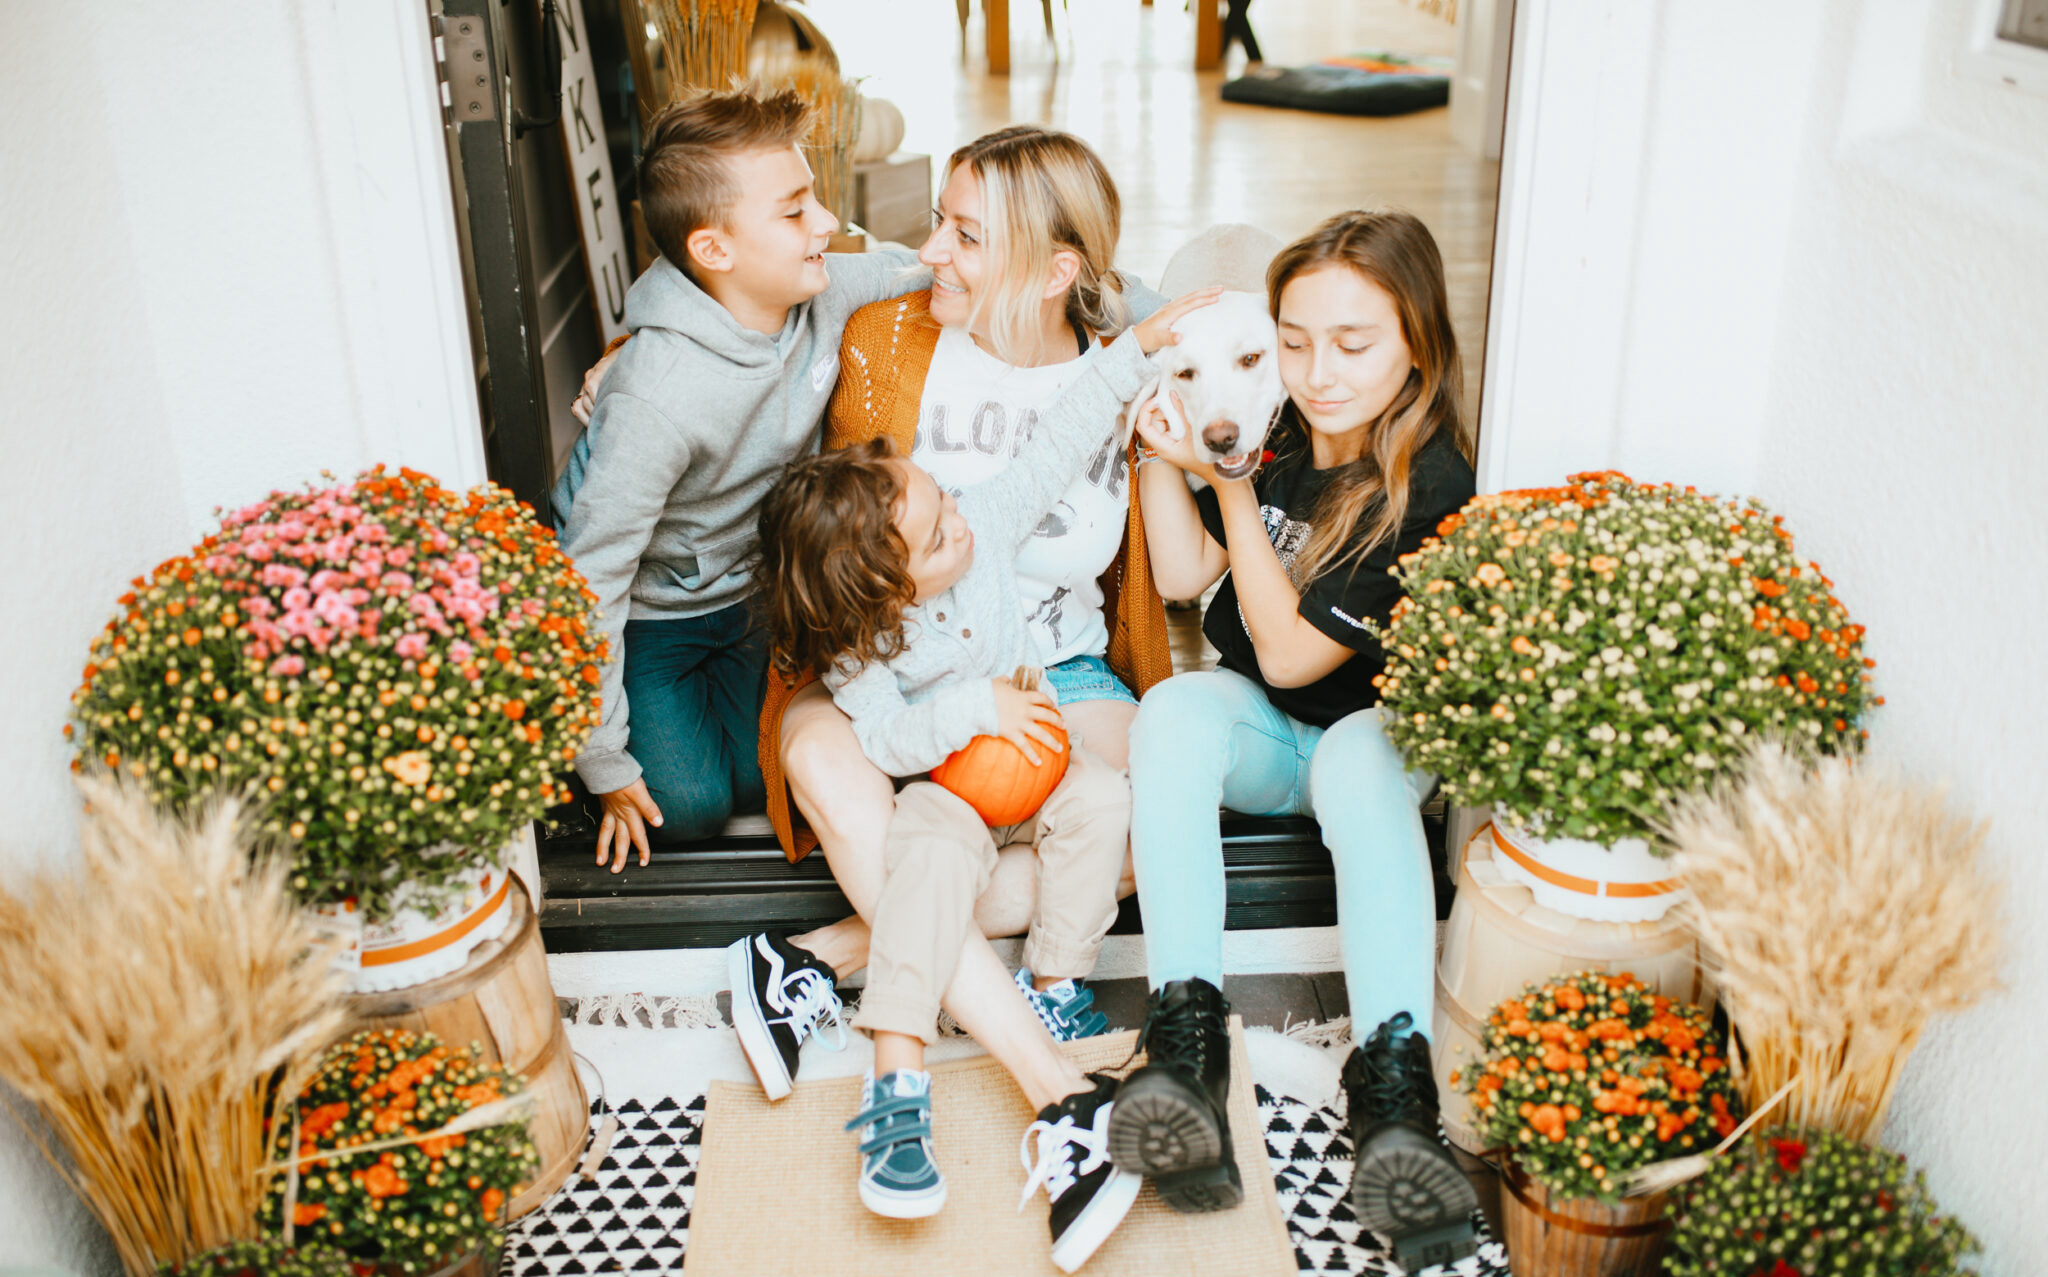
[735, 349]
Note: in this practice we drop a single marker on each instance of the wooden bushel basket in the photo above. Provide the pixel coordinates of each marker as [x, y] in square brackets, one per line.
[1583, 1237]
[1498, 939]
[502, 1000]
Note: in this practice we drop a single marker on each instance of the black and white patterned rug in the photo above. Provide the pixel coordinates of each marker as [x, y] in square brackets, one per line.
[634, 1217]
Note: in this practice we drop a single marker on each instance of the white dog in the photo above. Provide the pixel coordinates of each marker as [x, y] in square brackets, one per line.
[1224, 379]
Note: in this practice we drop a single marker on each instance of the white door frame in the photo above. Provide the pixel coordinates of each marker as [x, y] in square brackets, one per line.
[374, 97]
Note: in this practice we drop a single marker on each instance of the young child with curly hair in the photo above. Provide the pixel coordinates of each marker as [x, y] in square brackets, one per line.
[906, 598]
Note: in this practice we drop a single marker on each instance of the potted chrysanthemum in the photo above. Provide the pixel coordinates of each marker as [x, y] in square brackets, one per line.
[1797, 1202]
[267, 1258]
[400, 1152]
[399, 672]
[1576, 657]
[1586, 1078]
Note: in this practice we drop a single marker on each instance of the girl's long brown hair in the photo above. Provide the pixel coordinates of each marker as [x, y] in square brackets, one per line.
[1395, 251]
[834, 572]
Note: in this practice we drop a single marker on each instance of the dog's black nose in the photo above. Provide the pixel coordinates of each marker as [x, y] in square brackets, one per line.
[1220, 436]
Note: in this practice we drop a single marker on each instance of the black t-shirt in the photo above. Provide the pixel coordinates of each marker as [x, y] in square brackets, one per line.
[1440, 482]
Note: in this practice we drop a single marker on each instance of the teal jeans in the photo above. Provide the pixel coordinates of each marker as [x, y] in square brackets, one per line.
[693, 696]
[1209, 740]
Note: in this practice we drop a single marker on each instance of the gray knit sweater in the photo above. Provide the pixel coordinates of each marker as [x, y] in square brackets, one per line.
[909, 713]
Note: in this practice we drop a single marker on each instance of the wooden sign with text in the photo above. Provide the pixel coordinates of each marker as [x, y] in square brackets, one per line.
[606, 254]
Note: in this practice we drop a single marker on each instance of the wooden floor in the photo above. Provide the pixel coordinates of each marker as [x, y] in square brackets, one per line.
[1120, 75]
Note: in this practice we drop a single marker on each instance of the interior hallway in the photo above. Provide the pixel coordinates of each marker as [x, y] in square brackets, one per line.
[1120, 75]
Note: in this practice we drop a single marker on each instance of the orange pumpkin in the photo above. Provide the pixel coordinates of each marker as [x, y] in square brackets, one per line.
[998, 781]
[995, 778]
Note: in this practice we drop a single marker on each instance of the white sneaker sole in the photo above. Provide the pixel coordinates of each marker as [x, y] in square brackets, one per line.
[896, 1206]
[1092, 1227]
[755, 1041]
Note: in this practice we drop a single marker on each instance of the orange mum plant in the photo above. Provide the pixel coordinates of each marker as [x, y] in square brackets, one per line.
[1575, 657]
[397, 670]
[1590, 1075]
[405, 1152]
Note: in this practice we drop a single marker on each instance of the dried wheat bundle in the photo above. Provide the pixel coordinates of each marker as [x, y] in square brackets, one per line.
[1843, 907]
[703, 44]
[835, 127]
[156, 1005]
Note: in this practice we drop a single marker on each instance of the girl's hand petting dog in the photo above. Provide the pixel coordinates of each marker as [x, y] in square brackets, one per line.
[1156, 333]
[1019, 715]
[1177, 450]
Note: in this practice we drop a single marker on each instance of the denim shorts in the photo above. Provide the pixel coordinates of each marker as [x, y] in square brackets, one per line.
[1087, 678]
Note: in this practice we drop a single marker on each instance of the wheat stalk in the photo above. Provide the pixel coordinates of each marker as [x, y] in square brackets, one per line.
[157, 1005]
[835, 127]
[1842, 908]
[703, 46]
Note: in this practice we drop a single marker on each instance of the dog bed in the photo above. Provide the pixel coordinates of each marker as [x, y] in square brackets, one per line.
[1362, 84]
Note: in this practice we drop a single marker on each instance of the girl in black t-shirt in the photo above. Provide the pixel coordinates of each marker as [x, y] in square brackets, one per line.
[1371, 453]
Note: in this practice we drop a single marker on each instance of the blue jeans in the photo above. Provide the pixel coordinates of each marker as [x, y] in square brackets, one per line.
[693, 700]
[1212, 739]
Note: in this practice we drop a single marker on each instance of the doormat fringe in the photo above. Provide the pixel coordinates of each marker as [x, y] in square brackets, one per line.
[642, 1011]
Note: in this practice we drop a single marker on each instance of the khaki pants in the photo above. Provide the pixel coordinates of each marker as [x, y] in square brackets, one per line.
[938, 862]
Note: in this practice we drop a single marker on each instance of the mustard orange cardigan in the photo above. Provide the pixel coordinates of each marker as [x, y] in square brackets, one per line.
[883, 360]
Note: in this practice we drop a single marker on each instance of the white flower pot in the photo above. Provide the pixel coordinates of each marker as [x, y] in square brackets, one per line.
[1621, 883]
[415, 945]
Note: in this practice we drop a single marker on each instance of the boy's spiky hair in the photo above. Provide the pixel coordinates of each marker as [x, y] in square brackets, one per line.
[686, 180]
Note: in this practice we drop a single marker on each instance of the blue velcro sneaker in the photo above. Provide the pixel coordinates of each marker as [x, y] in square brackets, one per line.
[899, 1173]
[1066, 1009]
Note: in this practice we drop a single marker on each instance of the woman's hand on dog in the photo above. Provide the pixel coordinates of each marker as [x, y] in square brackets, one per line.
[1156, 333]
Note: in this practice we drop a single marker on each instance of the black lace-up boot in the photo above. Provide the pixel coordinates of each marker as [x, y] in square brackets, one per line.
[1405, 1185]
[1170, 1120]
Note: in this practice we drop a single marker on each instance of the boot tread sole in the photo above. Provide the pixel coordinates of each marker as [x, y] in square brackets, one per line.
[1435, 1226]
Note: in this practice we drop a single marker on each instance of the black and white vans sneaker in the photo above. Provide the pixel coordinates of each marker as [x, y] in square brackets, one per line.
[780, 995]
[1090, 1196]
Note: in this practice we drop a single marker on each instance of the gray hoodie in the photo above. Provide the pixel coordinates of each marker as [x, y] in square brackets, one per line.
[693, 424]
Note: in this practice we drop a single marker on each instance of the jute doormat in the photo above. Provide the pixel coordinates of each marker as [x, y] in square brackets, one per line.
[765, 1166]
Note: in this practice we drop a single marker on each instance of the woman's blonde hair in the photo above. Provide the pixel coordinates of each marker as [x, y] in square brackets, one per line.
[1043, 191]
[1366, 501]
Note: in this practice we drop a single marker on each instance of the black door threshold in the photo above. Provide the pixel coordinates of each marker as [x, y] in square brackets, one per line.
[1277, 873]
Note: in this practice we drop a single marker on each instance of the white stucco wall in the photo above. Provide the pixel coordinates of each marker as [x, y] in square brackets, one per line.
[1797, 251]
[229, 264]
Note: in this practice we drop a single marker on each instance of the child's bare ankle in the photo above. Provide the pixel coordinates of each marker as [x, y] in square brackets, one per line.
[898, 1052]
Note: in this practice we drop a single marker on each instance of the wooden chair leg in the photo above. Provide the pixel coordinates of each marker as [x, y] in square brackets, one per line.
[997, 15]
[1208, 35]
